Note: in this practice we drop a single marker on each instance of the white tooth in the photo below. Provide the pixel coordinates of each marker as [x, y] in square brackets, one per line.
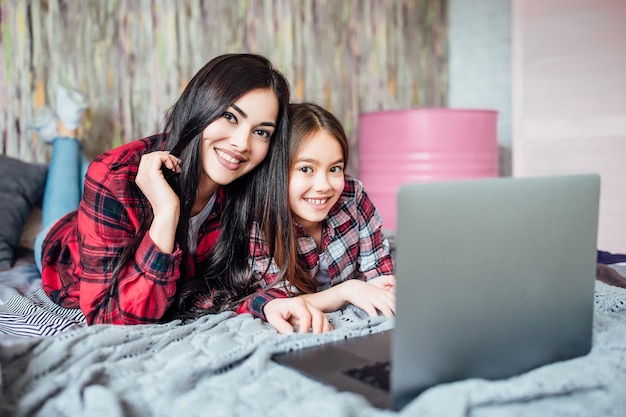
[227, 157]
[316, 201]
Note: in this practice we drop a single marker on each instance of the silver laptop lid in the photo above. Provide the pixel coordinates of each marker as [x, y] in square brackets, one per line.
[495, 277]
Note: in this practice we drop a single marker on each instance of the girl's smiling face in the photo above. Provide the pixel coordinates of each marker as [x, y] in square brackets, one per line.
[316, 179]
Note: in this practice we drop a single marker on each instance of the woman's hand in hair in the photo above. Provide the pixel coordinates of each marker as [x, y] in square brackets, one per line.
[164, 201]
[295, 314]
[151, 180]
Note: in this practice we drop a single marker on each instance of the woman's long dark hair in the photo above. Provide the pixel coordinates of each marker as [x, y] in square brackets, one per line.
[227, 273]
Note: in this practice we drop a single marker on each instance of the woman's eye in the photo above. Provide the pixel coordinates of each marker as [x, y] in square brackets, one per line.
[263, 133]
[336, 170]
[306, 170]
[230, 117]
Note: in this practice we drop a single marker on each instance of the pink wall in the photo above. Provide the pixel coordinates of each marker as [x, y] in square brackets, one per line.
[569, 98]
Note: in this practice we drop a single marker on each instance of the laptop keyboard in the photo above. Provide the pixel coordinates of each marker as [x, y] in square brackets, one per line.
[376, 375]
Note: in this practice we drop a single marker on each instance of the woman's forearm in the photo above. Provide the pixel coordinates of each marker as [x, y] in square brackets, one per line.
[163, 231]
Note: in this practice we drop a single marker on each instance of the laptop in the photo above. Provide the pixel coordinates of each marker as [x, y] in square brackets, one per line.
[495, 277]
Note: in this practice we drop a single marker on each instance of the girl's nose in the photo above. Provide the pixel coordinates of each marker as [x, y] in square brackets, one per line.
[321, 182]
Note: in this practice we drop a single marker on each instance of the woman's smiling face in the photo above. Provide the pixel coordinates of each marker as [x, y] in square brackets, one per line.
[236, 142]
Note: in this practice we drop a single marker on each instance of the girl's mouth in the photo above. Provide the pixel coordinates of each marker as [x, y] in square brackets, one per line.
[316, 201]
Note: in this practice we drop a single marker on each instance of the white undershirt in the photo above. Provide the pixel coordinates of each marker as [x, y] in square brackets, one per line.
[323, 275]
[196, 221]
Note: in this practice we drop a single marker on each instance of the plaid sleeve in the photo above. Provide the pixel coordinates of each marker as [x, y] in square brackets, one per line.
[265, 273]
[107, 223]
[374, 252]
[255, 304]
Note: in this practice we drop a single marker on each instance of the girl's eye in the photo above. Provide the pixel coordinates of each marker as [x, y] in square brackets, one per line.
[263, 133]
[230, 117]
[336, 170]
[306, 170]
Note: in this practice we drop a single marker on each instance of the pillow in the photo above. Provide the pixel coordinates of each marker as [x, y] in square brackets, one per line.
[21, 187]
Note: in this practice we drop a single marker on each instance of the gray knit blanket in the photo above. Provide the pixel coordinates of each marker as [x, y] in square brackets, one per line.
[220, 365]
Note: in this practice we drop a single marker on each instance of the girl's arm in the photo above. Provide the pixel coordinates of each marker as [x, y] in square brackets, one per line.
[255, 304]
[371, 298]
[265, 274]
[289, 314]
[386, 282]
[375, 258]
[285, 313]
[271, 303]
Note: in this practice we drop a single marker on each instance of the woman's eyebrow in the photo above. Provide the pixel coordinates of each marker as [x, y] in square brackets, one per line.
[245, 116]
[241, 112]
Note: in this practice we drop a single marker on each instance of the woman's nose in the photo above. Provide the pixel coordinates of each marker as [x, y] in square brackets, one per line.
[240, 140]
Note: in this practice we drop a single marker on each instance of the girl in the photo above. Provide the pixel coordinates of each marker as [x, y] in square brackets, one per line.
[152, 210]
[344, 257]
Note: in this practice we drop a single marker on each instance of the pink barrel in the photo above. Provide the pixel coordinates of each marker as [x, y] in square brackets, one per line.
[421, 145]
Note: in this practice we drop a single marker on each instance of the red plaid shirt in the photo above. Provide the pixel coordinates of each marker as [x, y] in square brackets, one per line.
[80, 251]
[353, 243]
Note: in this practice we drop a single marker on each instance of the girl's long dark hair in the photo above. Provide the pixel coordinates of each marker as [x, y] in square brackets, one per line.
[227, 272]
[305, 120]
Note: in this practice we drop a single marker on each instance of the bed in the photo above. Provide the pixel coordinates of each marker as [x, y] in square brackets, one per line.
[221, 365]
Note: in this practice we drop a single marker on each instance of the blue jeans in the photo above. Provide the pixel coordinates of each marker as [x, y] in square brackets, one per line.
[64, 186]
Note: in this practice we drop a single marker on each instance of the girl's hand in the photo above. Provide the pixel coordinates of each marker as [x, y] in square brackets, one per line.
[285, 314]
[372, 298]
[386, 282]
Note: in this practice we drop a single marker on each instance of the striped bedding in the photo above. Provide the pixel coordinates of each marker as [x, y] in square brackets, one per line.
[35, 315]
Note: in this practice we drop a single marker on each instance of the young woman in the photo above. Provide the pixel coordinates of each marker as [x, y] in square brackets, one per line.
[163, 223]
[344, 257]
